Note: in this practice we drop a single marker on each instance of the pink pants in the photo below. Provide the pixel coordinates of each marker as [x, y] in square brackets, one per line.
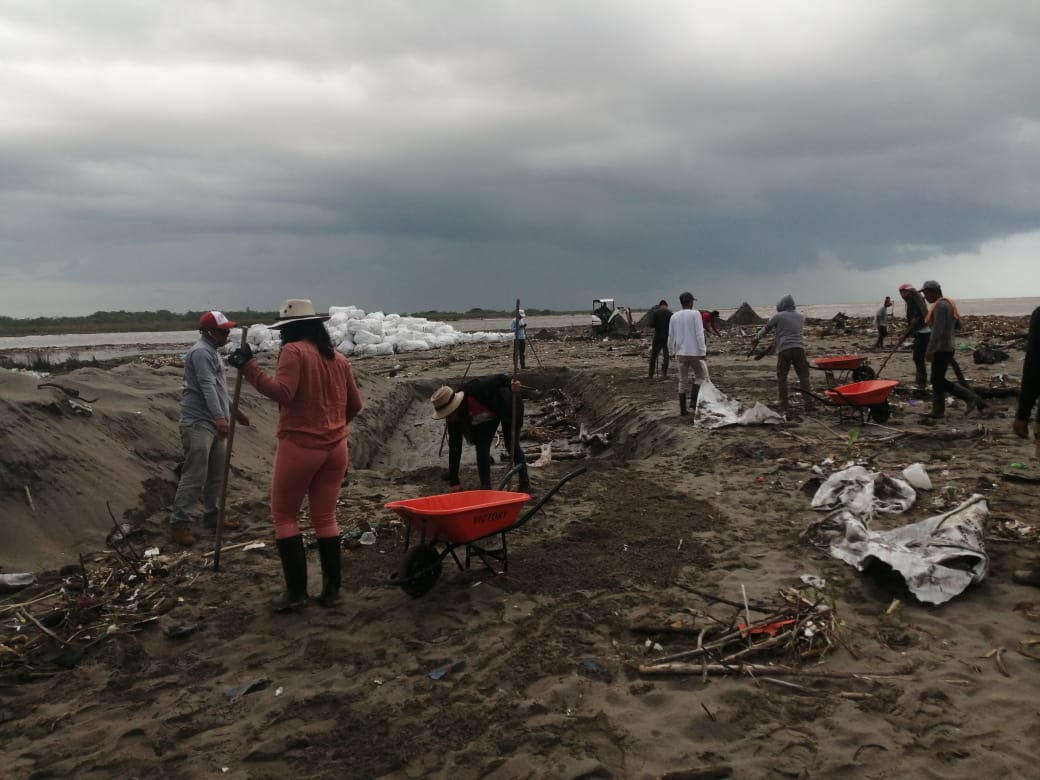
[302, 471]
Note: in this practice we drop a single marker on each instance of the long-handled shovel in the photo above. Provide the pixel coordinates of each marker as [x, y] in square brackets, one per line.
[515, 397]
[227, 460]
[888, 357]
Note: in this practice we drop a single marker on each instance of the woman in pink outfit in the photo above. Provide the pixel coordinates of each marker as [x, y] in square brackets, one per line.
[317, 399]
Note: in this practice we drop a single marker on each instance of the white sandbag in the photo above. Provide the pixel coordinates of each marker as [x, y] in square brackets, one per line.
[410, 345]
[371, 350]
[367, 337]
[350, 312]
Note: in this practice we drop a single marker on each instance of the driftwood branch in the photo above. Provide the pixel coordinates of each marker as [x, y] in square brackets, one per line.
[761, 669]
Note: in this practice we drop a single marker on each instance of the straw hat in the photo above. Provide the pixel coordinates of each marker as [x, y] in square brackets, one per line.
[445, 401]
[297, 310]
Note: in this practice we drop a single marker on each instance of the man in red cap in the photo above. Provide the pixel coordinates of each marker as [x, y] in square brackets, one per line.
[916, 313]
[205, 411]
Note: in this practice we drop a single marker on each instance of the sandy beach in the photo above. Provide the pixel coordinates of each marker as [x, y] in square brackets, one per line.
[121, 663]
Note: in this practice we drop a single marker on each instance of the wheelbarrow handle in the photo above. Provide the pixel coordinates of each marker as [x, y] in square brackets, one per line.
[820, 398]
[549, 494]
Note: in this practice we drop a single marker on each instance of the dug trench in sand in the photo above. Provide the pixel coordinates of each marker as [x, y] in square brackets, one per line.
[541, 664]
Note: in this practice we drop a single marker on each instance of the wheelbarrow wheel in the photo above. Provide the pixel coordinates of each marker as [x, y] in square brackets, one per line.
[419, 571]
[880, 413]
[862, 373]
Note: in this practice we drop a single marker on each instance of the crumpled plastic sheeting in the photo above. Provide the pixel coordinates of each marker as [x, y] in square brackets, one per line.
[938, 557]
[862, 492]
[716, 410]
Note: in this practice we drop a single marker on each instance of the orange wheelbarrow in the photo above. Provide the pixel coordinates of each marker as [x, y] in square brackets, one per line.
[868, 399]
[449, 521]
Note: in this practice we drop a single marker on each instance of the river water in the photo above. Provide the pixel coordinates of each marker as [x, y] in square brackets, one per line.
[107, 346]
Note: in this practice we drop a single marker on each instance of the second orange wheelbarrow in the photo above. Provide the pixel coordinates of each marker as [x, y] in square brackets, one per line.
[841, 368]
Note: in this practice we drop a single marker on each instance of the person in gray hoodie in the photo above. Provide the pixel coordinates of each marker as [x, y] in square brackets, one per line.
[942, 318]
[790, 348]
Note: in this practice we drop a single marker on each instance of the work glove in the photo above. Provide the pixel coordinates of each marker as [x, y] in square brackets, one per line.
[240, 356]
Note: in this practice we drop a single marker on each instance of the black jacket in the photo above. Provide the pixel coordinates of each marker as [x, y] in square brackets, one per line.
[1030, 369]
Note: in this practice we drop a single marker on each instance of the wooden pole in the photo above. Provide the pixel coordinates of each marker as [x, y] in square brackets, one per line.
[227, 460]
[514, 398]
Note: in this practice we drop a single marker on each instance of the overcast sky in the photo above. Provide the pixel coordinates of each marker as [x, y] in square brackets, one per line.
[407, 155]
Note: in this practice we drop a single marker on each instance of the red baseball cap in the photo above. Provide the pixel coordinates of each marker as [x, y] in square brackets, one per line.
[215, 320]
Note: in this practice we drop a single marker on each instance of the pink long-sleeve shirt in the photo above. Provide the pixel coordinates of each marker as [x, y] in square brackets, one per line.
[317, 397]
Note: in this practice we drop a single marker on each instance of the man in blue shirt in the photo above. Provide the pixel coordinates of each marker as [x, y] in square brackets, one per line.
[204, 423]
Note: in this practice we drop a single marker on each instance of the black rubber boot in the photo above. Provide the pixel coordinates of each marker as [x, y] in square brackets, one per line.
[971, 400]
[294, 568]
[329, 554]
[938, 405]
[682, 405]
[695, 391]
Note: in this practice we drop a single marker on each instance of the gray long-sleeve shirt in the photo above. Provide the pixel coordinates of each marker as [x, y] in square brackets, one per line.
[788, 323]
[942, 324]
[204, 389]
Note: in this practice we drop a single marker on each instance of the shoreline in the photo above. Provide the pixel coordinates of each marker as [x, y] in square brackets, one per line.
[104, 346]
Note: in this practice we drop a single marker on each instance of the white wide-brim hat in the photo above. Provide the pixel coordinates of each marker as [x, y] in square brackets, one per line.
[296, 310]
[445, 401]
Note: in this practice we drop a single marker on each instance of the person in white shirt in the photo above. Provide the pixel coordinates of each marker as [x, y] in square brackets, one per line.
[686, 344]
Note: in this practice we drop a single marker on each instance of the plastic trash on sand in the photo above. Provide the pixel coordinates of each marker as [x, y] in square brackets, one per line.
[16, 581]
[937, 557]
[862, 492]
[716, 410]
[917, 476]
[441, 672]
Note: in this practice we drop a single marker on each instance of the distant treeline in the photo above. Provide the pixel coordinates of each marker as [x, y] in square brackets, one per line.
[164, 320]
[481, 314]
[121, 322]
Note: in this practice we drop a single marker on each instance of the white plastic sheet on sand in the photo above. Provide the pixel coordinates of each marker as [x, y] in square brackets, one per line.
[362, 334]
[864, 492]
[937, 557]
[715, 410]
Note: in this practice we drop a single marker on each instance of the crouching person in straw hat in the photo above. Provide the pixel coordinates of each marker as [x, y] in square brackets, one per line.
[317, 399]
[204, 424]
[474, 413]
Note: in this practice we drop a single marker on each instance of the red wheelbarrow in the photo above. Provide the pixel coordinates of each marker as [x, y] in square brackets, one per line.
[867, 399]
[448, 521]
[846, 367]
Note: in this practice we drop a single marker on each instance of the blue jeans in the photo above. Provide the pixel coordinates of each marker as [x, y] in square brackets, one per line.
[201, 474]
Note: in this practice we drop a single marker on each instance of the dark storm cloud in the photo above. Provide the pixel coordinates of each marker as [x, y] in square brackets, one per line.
[447, 155]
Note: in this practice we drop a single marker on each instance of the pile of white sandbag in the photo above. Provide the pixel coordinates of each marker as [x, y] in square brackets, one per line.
[361, 334]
